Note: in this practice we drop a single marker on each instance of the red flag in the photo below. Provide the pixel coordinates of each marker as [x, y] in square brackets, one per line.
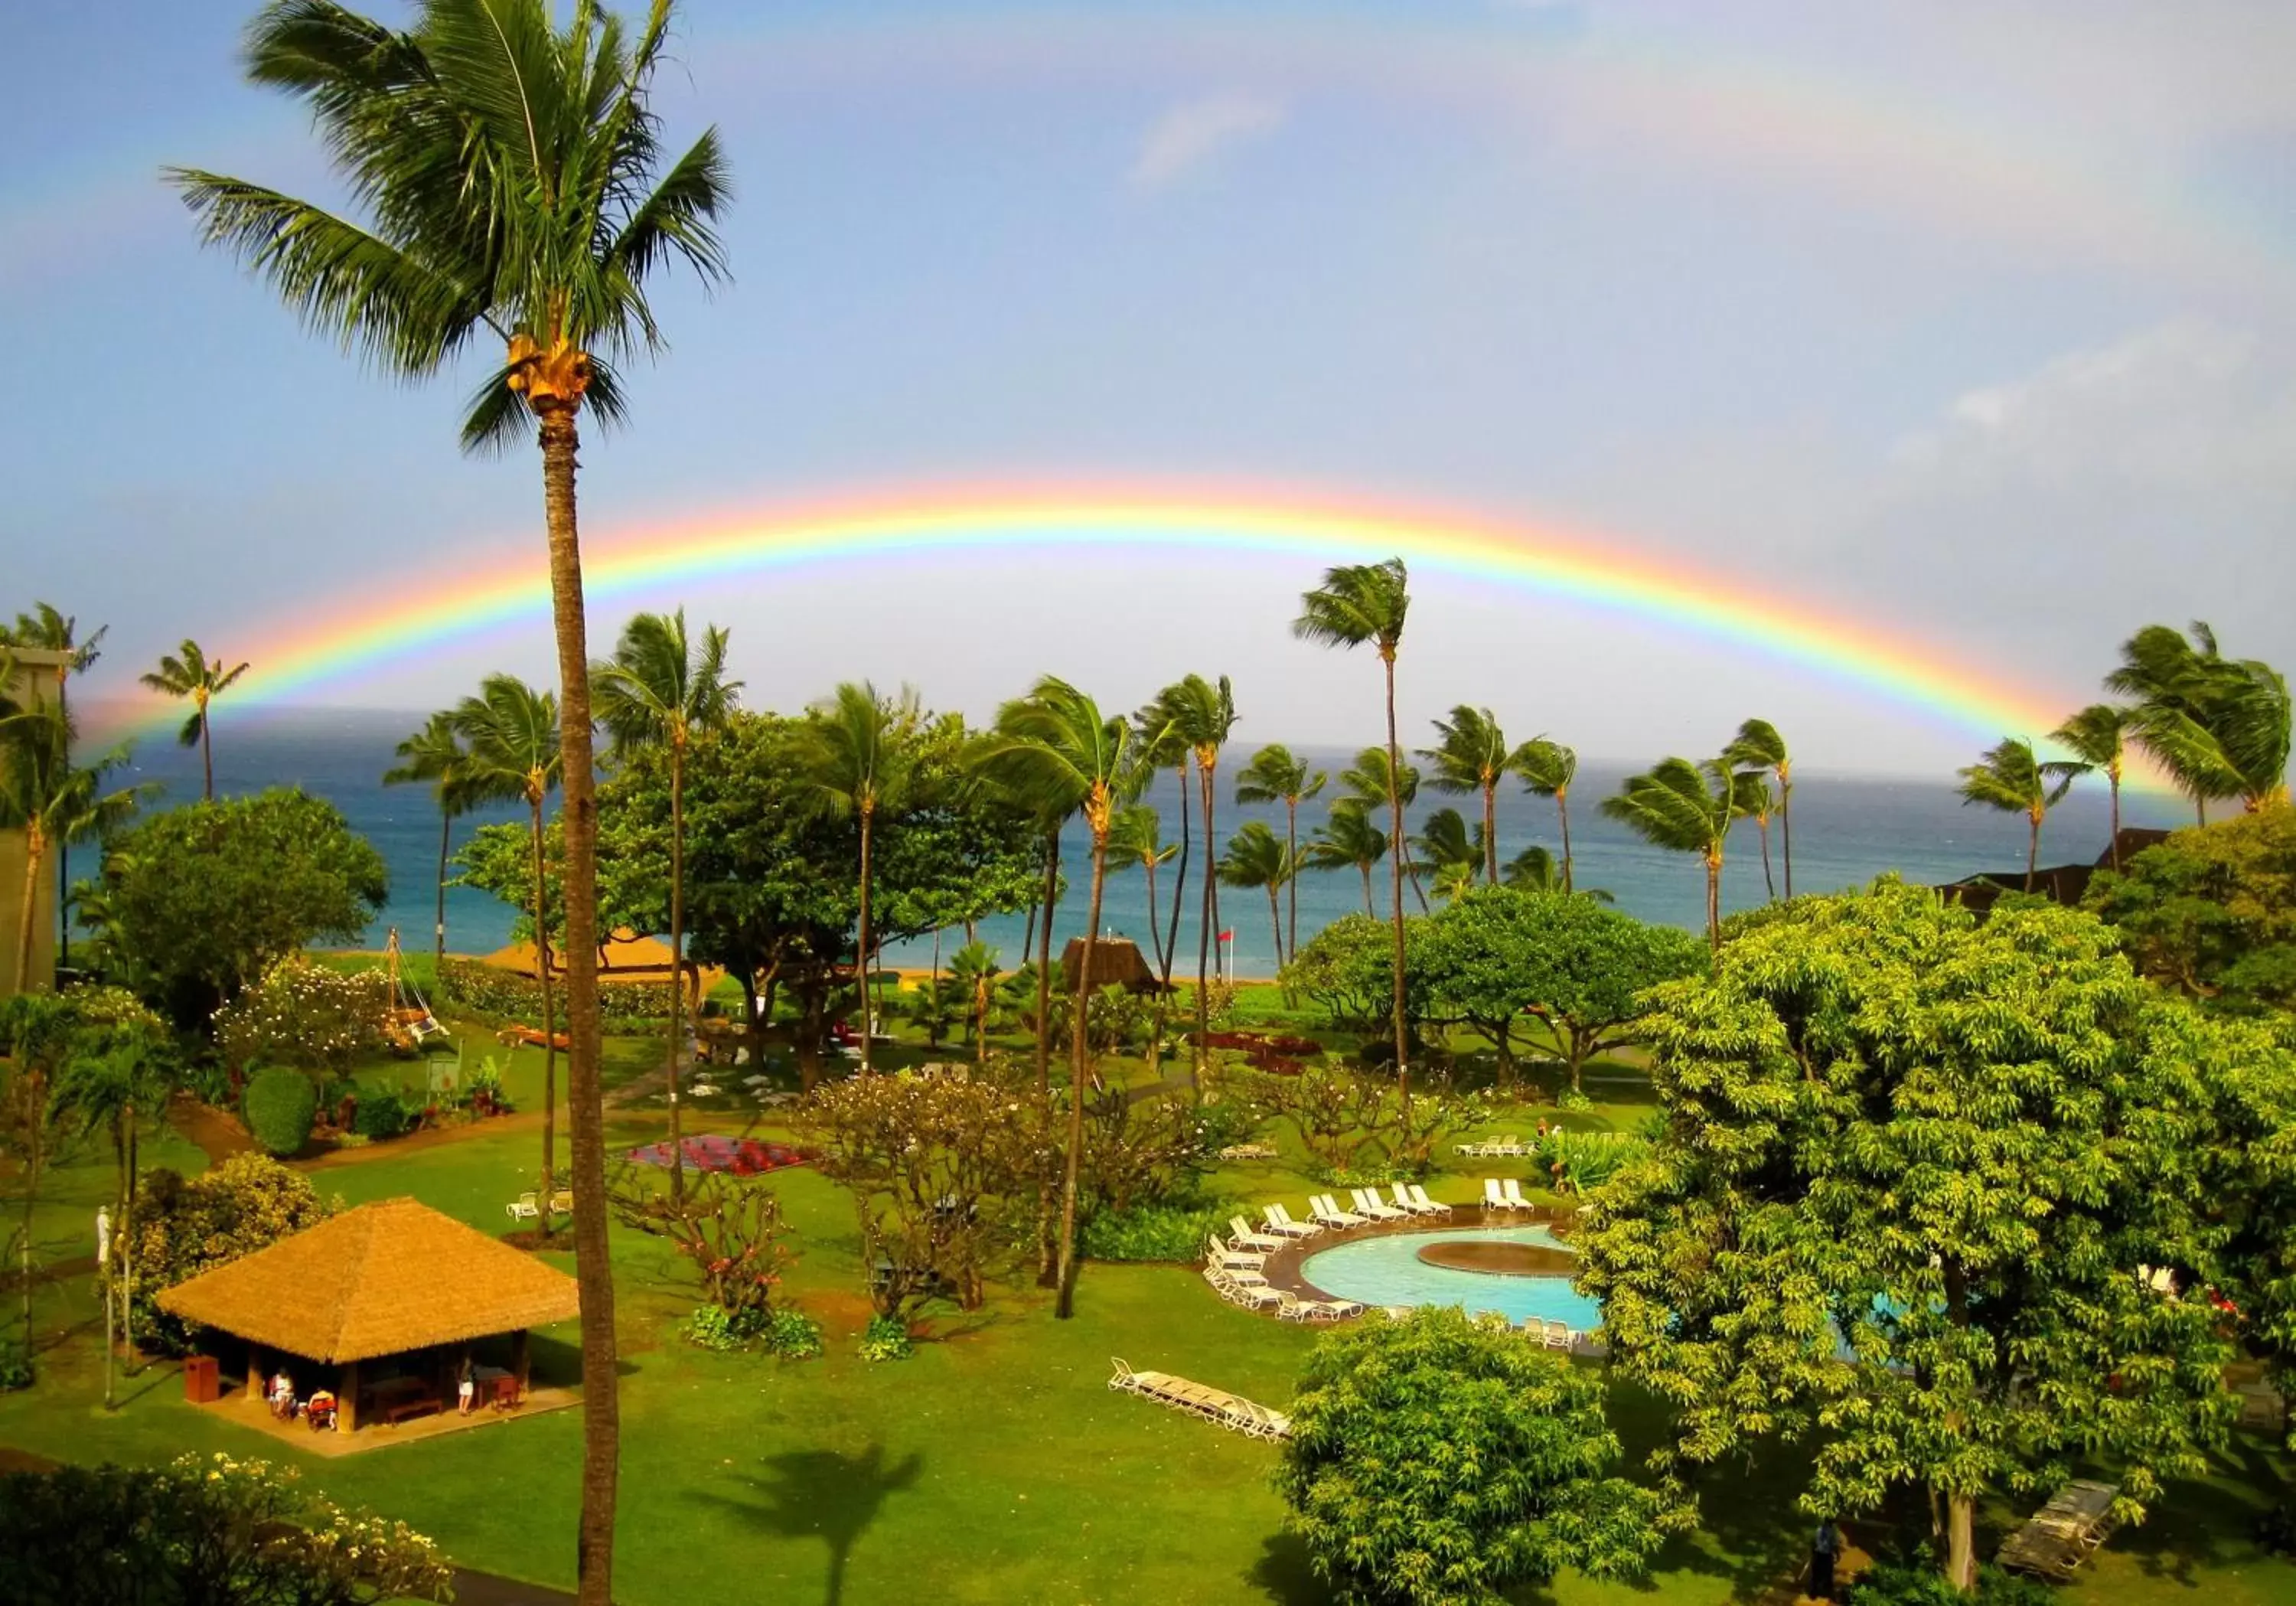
[1227, 936]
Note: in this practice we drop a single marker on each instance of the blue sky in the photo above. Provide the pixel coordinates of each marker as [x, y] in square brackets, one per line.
[1974, 323]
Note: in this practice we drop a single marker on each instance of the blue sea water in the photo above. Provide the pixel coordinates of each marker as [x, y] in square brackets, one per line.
[1847, 830]
[1387, 1271]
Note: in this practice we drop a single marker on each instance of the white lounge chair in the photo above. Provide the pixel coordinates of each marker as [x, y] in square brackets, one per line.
[1493, 1200]
[1515, 1196]
[1552, 1334]
[1326, 1210]
[1244, 1260]
[1367, 1202]
[1473, 1148]
[524, 1208]
[1507, 1148]
[1279, 1219]
[1428, 1206]
[1240, 1234]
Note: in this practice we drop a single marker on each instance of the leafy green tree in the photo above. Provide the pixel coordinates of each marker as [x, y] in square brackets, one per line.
[47, 627]
[1364, 605]
[2010, 779]
[1275, 776]
[1347, 840]
[515, 185]
[1257, 857]
[189, 672]
[435, 754]
[1687, 808]
[2219, 726]
[1470, 756]
[1908, 1172]
[2097, 737]
[1499, 953]
[1547, 770]
[1759, 746]
[52, 801]
[857, 746]
[199, 902]
[973, 968]
[1435, 1460]
[2212, 910]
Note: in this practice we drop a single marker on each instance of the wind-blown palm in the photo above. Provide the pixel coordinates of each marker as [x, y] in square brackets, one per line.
[1533, 870]
[661, 688]
[2219, 726]
[1137, 834]
[1257, 857]
[1157, 743]
[53, 802]
[1471, 755]
[1445, 845]
[2097, 737]
[1547, 770]
[860, 750]
[1685, 808]
[435, 755]
[120, 1079]
[1056, 749]
[515, 185]
[2010, 779]
[190, 673]
[1366, 605]
[973, 968]
[1758, 745]
[1274, 776]
[1375, 784]
[512, 753]
[1202, 714]
[48, 629]
[1347, 840]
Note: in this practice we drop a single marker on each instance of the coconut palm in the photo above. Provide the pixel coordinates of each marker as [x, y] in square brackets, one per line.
[1470, 756]
[1685, 808]
[1547, 770]
[1202, 714]
[973, 969]
[1758, 745]
[2010, 779]
[1136, 835]
[1445, 843]
[1534, 870]
[189, 672]
[1347, 840]
[1159, 744]
[48, 629]
[515, 185]
[1055, 747]
[1377, 786]
[860, 750]
[1274, 776]
[2218, 726]
[1762, 802]
[2097, 737]
[1257, 857]
[53, 802]
[661, 688]
[117, 1079]
[435, 754]
[513, 752]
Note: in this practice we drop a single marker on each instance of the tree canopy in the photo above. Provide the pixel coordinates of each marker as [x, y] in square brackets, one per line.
[2212, 910]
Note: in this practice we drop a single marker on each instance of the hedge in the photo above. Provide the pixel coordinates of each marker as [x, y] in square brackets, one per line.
[501, 994]
[279, 1104]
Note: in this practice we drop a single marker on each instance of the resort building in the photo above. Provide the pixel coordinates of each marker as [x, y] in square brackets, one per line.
[32, 677]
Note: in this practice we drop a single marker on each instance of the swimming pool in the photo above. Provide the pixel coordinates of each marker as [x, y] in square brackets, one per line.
[1387, 1271]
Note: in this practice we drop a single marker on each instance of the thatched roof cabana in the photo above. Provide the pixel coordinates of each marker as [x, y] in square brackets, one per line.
[1116, 961]
[623, 957]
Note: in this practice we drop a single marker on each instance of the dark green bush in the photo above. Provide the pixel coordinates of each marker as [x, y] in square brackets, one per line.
[1921, 1584]
[1155, 1232]
[886, 1340]
[382, 1114]
[278, 1106]
[15, 1365]
[500, 994]
[792, 1335]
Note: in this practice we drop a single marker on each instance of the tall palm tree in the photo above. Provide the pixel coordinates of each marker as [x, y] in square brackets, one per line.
[1202, 714]
[1274, 776]
[2010, 779]
[860, 750]
[973, 968]
[1364, 605]
[1257, 857]
[515, 753]
[1471, 755]
[516, 186]
[48, 629]
[661, 688]
[51, 801]
[1137, 834]
[1762, 802]
[1376, 785]
[2098, 736]
[190, 673]
[1347, 840]
[1547, 770]
[435, 754]
[2219, 726]
[1758, 745]
[1159, 744]
[117, 1078]
[1056, 748]
[1685, 808]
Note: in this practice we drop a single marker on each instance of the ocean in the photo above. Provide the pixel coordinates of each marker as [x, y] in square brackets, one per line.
[1848, 828]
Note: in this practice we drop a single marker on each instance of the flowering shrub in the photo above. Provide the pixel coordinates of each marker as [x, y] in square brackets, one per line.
[185, 1227]
[303, 1014]
[279, 1104]
[792, 1335]
[886, 1338]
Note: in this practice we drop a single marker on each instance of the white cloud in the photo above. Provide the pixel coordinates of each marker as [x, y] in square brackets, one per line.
[1193, 132]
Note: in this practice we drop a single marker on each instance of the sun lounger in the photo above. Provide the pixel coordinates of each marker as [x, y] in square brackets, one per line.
[1290, 1307]
[1401, 1195]
[1493, 1200]
[562, 1203]
[1503, 1148]
[1240, 1234]
[1550, 1334]
[524, 1208]
[1326, 1210]
[1473, 1148]
[1279, 1219]
[1428, 1206]
[1514, 1195]
[2065, 1533]
[1249, 1290]
[1247, 1151]
[1367, 1202]
[1228, 1259]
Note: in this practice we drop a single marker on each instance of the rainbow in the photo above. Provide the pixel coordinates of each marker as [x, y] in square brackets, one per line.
[1577, 567]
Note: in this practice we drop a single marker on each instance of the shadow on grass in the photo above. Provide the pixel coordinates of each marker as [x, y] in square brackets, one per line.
[2210, 1523]
[1283, 1572]
[828, 1495]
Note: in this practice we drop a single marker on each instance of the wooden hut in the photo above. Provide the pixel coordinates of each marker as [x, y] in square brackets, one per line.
[394, 1288]
[1116, 962]
[2065, 884]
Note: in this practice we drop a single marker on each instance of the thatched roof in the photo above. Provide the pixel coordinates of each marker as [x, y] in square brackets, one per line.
[377, 1280]
[1116, 961]
[623, 957]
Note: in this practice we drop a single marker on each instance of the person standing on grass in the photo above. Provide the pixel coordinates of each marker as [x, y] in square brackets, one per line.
[1824, 1548]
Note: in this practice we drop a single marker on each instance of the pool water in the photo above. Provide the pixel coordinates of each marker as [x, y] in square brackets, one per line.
[1387, 1271]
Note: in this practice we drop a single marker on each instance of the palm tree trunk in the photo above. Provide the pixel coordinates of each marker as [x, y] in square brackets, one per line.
[1291, 853]
[2112, 778]
[1785, 823]
[1044, 965]
[34, 845]
[1769, 884]
[1179, 882]
[601, 1402]
[677, 960]
[1714, 901]
[1491, 832]
[1155, 932]
[549, 1018]
[2033, 848]
[1562, 808]
[1276, 921]
[1371, 908]
[1079, 1059]
[127, 1248]
[438, 926]
[861, 950]
[207, 758]
[1395, 879]
[1210, 922]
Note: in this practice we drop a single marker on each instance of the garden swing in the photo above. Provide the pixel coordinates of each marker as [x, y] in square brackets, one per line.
[408, 1022]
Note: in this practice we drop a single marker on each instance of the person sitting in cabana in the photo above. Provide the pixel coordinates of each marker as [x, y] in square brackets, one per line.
[320, 1410]
[283, 1395]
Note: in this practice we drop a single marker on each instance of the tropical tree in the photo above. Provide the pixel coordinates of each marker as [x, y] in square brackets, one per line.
[1055, 747]
[1157, 743]
[2096, 735]
[1758, 745]
[1257, 857]
[2010, 779]
[515, 753]
[1455, 855]
[1471, 755]
[2218, 726]
[1347, 840]
[53, 802]
[50, 630]
[1364, 605]
[1137, 834]
[1762, 802]
[1533, 870]
[859, 748]
[435, 754]
[515, 184]
[662, 690]
[1274, 776]
[117, 1078]
[1685, 808]
[189, 672]
[1378, 784]
[973, 968]
[2211, 913]
[1202, 714]
[1547, 770]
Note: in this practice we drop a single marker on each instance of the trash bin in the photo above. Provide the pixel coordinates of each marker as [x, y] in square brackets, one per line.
[202, 1385]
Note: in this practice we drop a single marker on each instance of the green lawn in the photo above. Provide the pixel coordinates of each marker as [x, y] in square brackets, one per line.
[994, 1466]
